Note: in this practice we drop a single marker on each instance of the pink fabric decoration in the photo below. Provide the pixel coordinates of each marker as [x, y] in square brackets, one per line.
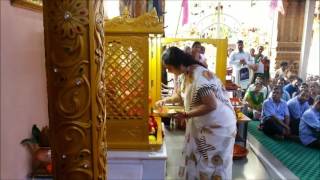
[185, 17]
[276, 5]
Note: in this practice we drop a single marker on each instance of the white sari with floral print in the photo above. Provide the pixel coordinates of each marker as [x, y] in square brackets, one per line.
[209, 139]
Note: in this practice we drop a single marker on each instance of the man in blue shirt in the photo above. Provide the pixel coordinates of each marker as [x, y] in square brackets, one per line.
[293, 86]
[297, 106]
[275, 115]
[309, 129]
[303, 86]
[285, 95]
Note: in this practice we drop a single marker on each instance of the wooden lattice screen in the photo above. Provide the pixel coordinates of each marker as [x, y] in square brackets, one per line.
[125, 78]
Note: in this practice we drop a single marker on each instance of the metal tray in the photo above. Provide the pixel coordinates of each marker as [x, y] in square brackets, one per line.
[167, 111]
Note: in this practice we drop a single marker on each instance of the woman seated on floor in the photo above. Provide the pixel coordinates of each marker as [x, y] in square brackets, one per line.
[264, 89]
[254, 99]
[309, 128]
[275, 115]
[297, 106]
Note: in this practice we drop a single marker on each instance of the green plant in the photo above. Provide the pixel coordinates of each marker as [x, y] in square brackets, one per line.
[38, 145]
[35, 137]
[41, 138]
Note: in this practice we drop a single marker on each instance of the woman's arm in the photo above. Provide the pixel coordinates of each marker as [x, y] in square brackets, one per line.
[175, 98]
[208, 104]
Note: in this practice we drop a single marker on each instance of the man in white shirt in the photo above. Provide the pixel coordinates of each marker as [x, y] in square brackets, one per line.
[238, 59]
[251, 61]
[258, 64]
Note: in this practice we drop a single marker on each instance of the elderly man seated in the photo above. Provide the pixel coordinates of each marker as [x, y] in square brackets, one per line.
[285, 94]
[309, 128]
[297, 106]
[275, 115]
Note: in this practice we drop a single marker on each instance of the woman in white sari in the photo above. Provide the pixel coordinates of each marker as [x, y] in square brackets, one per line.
[211, 121]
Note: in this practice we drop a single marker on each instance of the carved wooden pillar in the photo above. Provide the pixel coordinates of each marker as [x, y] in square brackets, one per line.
[290, 30]
[74, 38]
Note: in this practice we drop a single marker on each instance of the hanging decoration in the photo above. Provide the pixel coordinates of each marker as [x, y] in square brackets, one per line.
[185, 7]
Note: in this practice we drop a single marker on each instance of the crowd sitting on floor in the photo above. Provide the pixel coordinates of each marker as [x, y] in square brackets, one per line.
[286, 106]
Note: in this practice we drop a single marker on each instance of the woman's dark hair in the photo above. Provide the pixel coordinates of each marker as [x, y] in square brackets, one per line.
[196, 43]
[176, 57]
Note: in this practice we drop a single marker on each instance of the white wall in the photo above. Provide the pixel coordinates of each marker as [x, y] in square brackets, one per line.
[23, 86]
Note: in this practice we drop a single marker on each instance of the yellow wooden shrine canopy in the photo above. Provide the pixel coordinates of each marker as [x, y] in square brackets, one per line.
[133, 68]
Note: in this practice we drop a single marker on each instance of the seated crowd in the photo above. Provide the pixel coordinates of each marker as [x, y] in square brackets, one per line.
[286, 107]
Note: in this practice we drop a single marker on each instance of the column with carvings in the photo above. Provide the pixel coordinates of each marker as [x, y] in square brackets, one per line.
[290, 30]
[74, 43]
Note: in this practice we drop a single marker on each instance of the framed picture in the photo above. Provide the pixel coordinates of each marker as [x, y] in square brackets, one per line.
[35, 5]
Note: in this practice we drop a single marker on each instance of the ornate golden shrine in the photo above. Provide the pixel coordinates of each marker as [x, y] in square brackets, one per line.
[133, 70]
[132, 78]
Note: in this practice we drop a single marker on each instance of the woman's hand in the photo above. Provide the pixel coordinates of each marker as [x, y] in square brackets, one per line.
[181, 116]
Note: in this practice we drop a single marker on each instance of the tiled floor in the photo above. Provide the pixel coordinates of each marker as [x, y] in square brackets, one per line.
[249, 168]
